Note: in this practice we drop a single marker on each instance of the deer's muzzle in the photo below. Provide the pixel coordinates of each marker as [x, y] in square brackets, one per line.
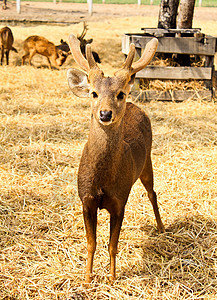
[105, 116]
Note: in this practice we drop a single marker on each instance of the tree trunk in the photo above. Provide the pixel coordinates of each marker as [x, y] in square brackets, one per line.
[167, 14]
[167, 20]
[185, 20]
[186, 12]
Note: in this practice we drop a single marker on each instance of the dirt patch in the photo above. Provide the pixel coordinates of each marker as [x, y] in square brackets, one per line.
[72, 12]
[76, 12]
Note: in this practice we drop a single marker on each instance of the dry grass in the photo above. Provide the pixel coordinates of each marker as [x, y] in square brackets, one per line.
[42, 241]
[172, 85]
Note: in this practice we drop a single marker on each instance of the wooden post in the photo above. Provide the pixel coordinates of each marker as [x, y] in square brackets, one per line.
[200, 3]
[18, 6]
[90, 6]
[209, 63]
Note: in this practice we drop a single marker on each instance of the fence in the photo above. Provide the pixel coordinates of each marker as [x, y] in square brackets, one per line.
[203, 3]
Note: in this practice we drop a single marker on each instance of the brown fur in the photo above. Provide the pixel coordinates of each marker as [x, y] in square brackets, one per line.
[6, 42]
[117, 153]
[40, 45]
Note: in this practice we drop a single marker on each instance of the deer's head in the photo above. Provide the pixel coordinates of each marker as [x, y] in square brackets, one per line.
[108, 94]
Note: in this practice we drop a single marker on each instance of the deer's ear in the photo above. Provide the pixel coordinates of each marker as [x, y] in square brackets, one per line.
[89, 41]
[78, 83]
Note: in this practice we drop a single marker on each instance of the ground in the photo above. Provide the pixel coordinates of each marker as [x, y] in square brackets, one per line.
[77, 12]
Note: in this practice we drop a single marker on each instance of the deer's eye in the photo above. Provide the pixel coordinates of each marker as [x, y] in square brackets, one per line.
[120, 96]
[94, 94]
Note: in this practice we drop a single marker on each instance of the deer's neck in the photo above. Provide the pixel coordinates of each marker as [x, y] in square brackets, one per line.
[105, 143]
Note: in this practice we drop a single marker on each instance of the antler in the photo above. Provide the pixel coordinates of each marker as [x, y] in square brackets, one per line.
[83, 32]
[90, 59]
[144, 60]
[85, 64]
[74, 45]
[89, 63]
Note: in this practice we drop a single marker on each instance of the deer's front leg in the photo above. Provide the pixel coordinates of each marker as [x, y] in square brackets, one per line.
[116, 219]
[90, 221]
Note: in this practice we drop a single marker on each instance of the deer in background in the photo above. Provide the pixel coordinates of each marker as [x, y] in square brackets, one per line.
[118, 150]
[6, 42]
[65, 47]
[84, 43]
[4, 4]
[38, 44]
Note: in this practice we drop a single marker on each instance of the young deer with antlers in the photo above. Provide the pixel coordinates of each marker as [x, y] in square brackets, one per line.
[118, 150]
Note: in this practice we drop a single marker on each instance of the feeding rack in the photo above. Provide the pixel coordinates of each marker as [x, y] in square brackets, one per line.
[175, 41]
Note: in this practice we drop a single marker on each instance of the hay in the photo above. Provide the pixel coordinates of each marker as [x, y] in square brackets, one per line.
[173, 85]
[42, 240]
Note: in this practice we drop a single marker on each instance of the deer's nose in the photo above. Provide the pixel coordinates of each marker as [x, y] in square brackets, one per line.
[105, 116]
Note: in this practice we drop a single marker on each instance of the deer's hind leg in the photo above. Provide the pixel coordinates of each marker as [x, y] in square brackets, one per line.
[31, 54]
[7, 56]
[26, 55]
[148, 182]
[2, 54]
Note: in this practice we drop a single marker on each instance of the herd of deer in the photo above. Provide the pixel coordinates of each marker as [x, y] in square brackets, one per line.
[118, 150]
[56, 55]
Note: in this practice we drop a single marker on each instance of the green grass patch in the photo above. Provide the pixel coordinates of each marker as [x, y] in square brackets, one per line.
[208, 3]
[205, 3]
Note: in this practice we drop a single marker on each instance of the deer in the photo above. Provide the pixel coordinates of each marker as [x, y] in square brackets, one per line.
[6, 42]
[38, 44]
[118, 149]
[4, 5]
[84, 43]
[65, 47]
